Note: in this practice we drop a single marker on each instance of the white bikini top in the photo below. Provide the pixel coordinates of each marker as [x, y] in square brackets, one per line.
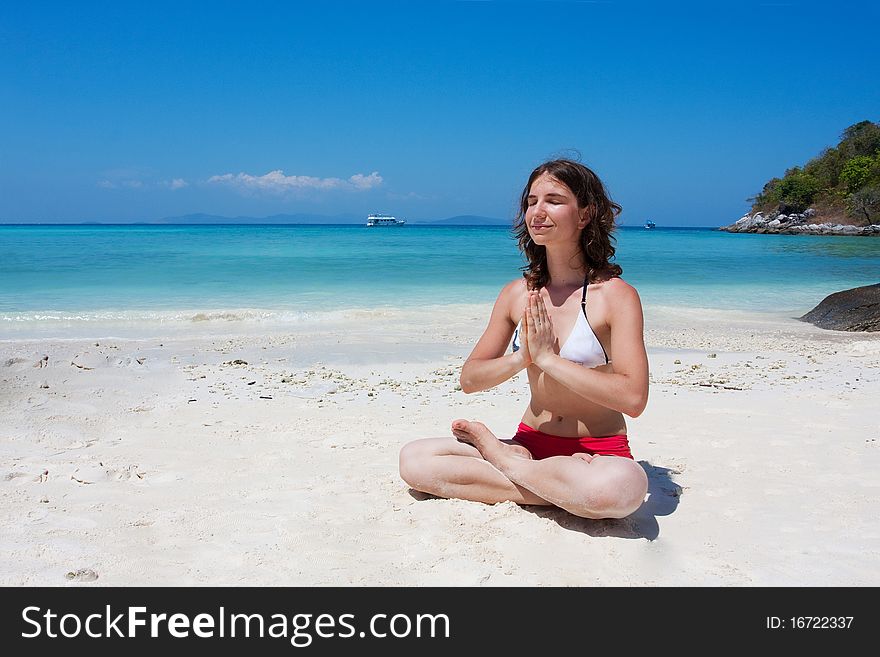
[582, 346]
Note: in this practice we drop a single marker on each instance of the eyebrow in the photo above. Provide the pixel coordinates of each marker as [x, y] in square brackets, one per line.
[550, 194]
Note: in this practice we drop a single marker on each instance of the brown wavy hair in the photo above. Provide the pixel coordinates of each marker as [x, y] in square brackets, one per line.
[596, 240]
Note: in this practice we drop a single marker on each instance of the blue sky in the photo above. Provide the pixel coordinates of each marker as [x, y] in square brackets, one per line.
[118, 112]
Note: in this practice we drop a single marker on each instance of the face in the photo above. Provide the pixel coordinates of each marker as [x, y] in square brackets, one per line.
[553, 214]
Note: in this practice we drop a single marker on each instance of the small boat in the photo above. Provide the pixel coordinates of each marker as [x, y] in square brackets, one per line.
[383, 220]
[649, 224]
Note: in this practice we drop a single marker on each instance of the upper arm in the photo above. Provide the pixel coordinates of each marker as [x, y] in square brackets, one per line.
[627, 334]
[493, 343]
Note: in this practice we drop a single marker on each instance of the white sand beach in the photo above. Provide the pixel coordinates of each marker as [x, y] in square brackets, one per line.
[271, 459]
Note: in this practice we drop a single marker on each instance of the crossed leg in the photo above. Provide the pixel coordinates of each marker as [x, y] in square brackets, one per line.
[484, 469]
[449, 468]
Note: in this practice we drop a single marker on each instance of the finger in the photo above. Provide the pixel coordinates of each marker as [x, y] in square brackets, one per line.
[536, 331]
[543, 317]
[545, 314]
[533, 309]
[534, 320]
[547, 325]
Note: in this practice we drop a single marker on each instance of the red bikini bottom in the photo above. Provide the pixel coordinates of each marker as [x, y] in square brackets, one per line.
[543, 445]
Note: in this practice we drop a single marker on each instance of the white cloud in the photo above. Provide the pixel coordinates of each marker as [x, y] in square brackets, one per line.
[178, 183]
[277, 183]
[360, 181]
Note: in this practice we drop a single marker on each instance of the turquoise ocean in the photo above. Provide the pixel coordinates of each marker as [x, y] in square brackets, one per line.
[54, 276]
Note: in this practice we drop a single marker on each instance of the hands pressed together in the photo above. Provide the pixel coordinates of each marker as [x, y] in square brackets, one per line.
[538, 339]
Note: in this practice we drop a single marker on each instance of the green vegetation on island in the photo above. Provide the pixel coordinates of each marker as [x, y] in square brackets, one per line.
[842, 184]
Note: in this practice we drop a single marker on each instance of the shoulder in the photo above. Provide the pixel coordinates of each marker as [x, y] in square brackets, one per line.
[514, 288]
[619, 297]
[512, 297]
[619, 290]
[512, 293]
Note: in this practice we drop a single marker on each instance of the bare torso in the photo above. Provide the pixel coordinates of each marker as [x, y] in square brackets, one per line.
[554, 408]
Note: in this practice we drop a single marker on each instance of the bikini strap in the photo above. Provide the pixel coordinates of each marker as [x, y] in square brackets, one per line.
[584, 309]
[584, 295]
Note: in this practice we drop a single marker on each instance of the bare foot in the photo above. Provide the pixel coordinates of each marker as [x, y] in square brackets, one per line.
[478, 435]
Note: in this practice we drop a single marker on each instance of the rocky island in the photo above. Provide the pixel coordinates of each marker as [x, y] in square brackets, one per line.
[804, 223]
[835, 193]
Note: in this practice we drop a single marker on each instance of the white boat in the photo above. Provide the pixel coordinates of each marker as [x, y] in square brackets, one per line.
[384, 220]
[649, 224]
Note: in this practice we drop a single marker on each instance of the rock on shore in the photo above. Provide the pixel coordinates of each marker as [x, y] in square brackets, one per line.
[857, 309]
[796, 224]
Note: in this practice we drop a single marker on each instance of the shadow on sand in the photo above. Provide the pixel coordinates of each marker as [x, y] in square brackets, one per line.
[662, 500]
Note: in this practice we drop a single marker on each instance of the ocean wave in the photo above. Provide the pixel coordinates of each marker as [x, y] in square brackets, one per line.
[164, 316]
[233, 316]
[146, 323]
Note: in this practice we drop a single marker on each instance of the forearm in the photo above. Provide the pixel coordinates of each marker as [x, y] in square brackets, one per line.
[615, 391]
[480, 374]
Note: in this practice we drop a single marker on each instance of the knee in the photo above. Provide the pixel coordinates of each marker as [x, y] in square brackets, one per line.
[411, 463]
[628, 486]
[619, 492]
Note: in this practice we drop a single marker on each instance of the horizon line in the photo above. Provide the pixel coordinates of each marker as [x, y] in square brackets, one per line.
[313, 223]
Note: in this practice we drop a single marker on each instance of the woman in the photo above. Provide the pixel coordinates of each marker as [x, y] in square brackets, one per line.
[577, 330]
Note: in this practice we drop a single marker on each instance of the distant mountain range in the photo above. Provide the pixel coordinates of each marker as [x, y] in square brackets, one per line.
[302, 218]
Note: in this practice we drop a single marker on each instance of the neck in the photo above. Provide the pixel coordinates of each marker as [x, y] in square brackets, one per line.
[565, 264]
